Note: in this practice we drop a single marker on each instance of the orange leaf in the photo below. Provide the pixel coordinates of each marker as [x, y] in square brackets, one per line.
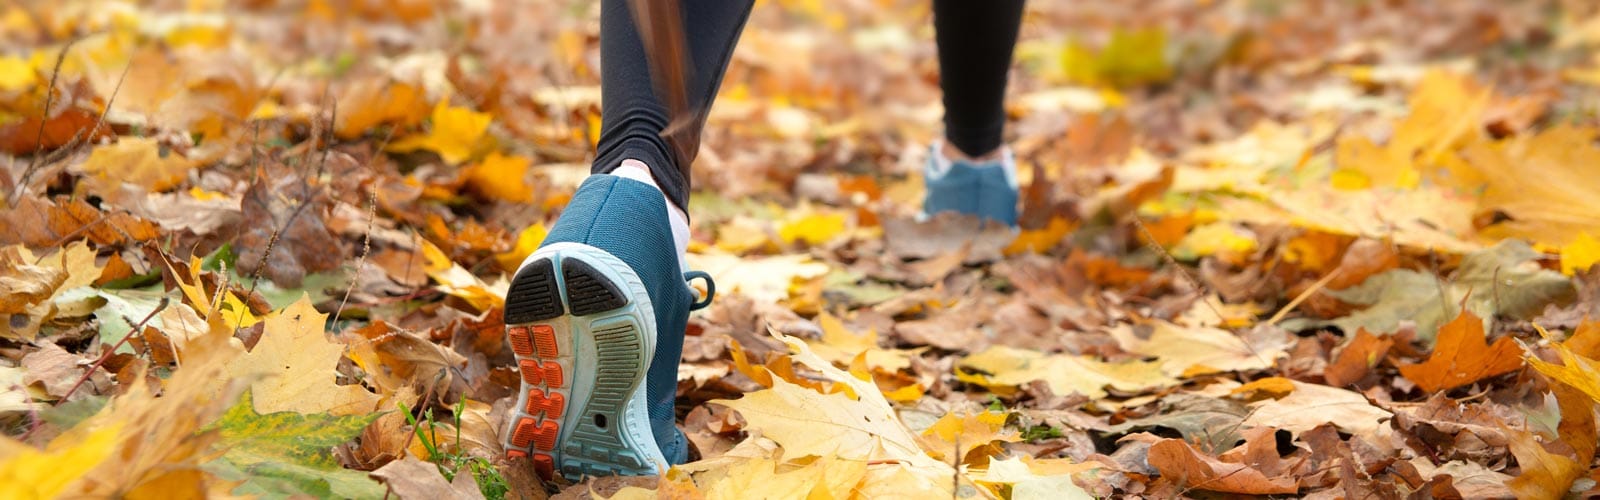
[1180, 462]
[1544, 474]
[1463, 356]
[1356, 360]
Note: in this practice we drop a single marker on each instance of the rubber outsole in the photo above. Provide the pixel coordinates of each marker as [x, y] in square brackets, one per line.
[583, 339]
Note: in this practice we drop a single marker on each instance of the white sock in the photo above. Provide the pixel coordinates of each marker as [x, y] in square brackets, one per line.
[941, 163]
[676, 219]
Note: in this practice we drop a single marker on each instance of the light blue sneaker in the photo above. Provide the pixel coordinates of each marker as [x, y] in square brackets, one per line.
[987, 190]
[596, 319]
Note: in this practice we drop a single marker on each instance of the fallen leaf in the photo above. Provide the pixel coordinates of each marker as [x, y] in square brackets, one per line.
[840, 345]
[1576, 370]
[1544, 474]
[139, 161]
[961, 433]
[1027, 482]
[369, 103]
[454, 133]
[501, 177]
[293, 364]
[412, 478]
[456, 280]
[814, 228]
[1580, 255]
[289, 453]
[1462, 356]
[1504, 280]
[1002, 369]
[1182, 463]
[26, 472]
[1554, 207]
[1311, 405]
[1187, 351]
[763, 279]
[1356, 359]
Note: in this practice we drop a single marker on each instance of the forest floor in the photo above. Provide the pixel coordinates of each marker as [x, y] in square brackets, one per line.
[1331, 249]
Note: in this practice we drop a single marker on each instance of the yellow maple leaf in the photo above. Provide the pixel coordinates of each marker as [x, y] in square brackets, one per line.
[369, 103]
[813, 228]
[501, 177]
[1553, 207]
[294, 364]
[1041, 240]
[140, 161]
[1002, 369]
[454, 134]
[16, 73]
[458, 281]
[962, 432]
[840, 345]
[28, 473]
[528, 241]
[837, 426]
[1576, 369]
[1184, 351]
[1580, 254]
[225, 304]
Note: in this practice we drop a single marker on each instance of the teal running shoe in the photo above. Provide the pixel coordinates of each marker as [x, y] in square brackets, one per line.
[985, 189]
[596, 320]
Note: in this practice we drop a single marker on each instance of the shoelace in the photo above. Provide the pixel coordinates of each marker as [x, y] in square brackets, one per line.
[701, 300]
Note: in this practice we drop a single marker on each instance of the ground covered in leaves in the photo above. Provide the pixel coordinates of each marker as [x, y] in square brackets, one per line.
[1332, 249]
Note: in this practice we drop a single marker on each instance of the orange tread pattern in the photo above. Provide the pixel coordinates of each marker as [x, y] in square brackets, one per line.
[545, 465]
[544, 338]
[548, 373]
[544, 438]
[521, 343]
[551, 405]
[540, 435]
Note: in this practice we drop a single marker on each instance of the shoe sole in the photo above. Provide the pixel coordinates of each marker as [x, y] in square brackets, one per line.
[583, 331]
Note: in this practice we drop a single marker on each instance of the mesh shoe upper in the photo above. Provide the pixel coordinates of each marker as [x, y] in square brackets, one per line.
[984, 189]
[627, 219]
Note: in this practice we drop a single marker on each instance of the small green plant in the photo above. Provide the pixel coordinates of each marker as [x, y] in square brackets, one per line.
[490, 482]
[1040, 432]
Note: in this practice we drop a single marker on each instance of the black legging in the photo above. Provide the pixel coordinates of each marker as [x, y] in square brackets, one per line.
[975, 40]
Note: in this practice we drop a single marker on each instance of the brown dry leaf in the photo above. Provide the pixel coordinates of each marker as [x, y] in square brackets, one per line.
[279, 213]
[396, 357]
[58, 371]
[412, 478]
[1180, 462]
[1462, 356]
[22, 284]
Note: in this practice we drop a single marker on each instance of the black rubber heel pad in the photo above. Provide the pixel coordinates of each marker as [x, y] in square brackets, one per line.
[533, 295]
[588, 291]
